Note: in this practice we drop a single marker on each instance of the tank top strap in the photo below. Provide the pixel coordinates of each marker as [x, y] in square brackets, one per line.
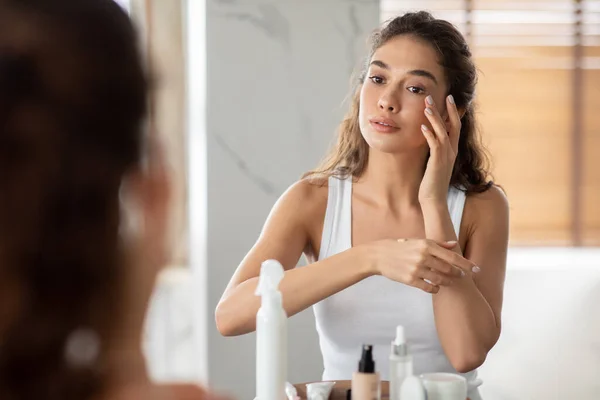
[337, 227]
[456, 206]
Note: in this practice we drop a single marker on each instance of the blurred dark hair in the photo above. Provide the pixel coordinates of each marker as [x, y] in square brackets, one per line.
[73, 102]
[350, 154]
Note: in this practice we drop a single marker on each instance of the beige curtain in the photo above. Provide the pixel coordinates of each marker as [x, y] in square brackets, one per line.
[591, 146]
[162, 25]
[526, 94]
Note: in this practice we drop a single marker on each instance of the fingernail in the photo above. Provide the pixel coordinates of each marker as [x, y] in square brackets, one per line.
[452, 242]
[476, 269]
[429, 111]
[451, 99]
[423, 128]
[429, 100]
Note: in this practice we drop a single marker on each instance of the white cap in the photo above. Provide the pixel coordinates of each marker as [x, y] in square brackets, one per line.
[400, 338]
[271, 273]
[399, 345]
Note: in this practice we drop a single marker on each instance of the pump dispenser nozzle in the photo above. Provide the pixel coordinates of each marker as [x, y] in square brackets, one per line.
[271, 273]
[366, 384]
[366, 363]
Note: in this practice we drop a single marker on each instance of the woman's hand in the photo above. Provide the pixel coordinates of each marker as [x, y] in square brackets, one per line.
[422, 263]
[443, 145]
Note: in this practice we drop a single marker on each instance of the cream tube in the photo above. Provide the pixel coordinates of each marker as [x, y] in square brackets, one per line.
[319, 390]
[291, 392]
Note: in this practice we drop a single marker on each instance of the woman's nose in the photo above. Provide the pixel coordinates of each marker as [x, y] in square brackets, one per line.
[387, 103]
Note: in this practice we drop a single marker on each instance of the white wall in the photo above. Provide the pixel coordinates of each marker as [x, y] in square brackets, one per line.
[278, 72]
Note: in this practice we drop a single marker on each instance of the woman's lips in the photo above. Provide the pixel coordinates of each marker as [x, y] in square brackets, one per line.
[383, 125]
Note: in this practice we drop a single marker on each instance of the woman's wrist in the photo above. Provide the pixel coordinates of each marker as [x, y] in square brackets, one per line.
[363, 260]
[432, 205]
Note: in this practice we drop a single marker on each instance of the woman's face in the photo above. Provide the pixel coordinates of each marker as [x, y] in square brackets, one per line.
[401, 74]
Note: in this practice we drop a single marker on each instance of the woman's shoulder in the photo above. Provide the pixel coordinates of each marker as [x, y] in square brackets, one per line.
[489, 207]
[491, 199]
[308, 194]
[305, 204]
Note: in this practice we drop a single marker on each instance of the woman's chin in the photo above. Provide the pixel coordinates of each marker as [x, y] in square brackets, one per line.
[393, 144]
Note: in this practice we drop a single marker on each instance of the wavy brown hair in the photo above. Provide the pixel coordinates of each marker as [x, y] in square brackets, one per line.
[349, 156]
[73, 102]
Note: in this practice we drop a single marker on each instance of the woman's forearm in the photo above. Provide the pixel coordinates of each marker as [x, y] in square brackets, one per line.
[465, 321]
[300, 288]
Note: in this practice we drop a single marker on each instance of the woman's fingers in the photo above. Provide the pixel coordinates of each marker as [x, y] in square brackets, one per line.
[432, 140]
[435, 119]
[435, 277]
[452, 258]
[425, 286]
[455, 124]
[444, 267]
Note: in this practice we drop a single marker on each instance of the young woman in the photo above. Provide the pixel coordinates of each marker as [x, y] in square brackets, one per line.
[400, 224]
[82, 207]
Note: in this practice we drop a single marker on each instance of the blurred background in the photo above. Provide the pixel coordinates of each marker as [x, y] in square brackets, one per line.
[249, 95]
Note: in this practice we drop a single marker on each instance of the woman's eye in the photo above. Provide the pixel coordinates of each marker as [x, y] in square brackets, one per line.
[376, 79]
[416, 90]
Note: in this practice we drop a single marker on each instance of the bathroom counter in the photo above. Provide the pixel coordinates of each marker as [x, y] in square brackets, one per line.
[340, 390]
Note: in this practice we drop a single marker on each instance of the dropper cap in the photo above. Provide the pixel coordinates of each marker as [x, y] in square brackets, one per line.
[366, 364]
[399, 345]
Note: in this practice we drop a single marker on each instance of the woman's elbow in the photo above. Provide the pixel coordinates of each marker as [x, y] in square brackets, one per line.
[224, 324]
[473, 357]
[468, 361]
[227, 324]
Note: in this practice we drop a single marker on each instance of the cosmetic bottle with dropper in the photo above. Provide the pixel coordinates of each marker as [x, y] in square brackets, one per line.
[401, 363]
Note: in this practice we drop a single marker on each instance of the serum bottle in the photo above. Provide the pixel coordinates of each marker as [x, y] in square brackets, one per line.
[401, 363]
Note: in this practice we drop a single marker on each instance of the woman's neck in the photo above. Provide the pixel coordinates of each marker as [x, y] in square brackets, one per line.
[394, 179]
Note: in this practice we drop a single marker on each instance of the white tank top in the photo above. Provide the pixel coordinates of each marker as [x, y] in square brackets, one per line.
[369, 311]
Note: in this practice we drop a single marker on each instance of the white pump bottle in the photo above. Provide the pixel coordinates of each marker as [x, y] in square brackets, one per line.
[271, 334]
